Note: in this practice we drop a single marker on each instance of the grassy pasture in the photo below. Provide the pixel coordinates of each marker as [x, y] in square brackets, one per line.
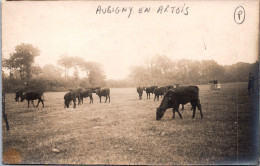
[125, 131]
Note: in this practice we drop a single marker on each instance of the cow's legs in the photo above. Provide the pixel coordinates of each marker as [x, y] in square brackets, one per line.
[78, 101]
[194, 110]
[38, 103]
[154, 97]
[74, 102]
[106, 99]
[173, 113]
[199, 108]
[109, 98]
[158, 97]
[100, 98]
[42, 103]
[91, 99]
[32, 103]
[182, 107]
[178, 111]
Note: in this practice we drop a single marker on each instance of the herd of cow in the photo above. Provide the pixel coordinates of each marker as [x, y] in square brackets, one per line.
[80, 94]
[70, 96]
[173, 97]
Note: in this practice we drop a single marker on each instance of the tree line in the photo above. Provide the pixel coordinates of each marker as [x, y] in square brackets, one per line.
[21, 72]
[161, 70]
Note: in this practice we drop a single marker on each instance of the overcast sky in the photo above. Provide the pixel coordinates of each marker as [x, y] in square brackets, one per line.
[118, 42]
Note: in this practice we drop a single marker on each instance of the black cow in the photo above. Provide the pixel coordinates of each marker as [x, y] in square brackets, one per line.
[32, 95]
[18, 95]
[182, 95]
[68, 97]
[85, 94]
[149, 90]
[77, 93]
[3, 111]
[172, 87]
[140, 92]
[103, 92]
[159, 92]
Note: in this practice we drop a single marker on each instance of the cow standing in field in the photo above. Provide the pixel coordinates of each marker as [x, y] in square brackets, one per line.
[103, 92]
[182, 95]
[32, 95]
[77, 94]
[140, 92]
[159, 92]
[150, 90]
[68, 97]
[85, 94]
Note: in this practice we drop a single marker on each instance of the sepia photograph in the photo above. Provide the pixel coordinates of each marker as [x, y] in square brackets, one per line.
[130, 82]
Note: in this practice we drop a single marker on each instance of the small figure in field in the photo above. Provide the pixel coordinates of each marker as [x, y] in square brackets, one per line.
[251, 83]
[3, 111]
[140, 92]
[103, 92]
[215, 84]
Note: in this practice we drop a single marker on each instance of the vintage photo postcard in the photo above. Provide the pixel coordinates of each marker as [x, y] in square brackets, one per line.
[130, 82]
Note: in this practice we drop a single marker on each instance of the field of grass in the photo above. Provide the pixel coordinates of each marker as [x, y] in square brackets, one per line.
[125, 130]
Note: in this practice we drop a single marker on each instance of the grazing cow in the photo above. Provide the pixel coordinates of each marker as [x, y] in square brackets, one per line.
[149, 90]
[140, 92]
[3, 111]
[77, 93]
[85, 94]
[68, 97]
[172, 87]
[32, 95]
[182, 95]
[18, 95]
[103, 92]
[159, 92]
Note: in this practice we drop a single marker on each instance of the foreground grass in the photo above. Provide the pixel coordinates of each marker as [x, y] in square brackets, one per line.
[125, 131]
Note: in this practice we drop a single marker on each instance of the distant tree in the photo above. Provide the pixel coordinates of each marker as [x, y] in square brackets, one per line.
[22, 60]
[96, 76]
[50, 71]
[140, 76]
[66, 62]
[76, 74]
[9, 65]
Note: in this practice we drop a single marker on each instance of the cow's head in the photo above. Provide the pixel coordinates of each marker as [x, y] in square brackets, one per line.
[166, 103]
[159, 113]
[17, 95]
